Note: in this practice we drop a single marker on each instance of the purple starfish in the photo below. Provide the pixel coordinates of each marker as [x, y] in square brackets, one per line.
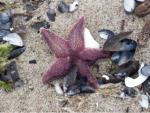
[70, 52]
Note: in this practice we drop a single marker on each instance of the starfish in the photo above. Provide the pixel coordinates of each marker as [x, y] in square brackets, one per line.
[71, 52]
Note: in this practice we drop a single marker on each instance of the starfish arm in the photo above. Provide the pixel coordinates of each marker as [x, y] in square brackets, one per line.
[76, 36]
[84, 70]
[93, 54]
[58, 69]
[57, 45]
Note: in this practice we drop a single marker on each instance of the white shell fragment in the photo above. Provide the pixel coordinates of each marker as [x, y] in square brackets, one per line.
[89, 41]
[14, 39]
[106, 77]
[144, 102]
[130, 82]
[58, 89]
[73, 6]
[129, 6]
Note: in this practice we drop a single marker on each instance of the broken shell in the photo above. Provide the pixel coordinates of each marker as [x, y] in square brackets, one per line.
[129, 91]
[87, 89]
[14, 39]
[5, 18]
[12, 70]
[122, 57]
[146, 86]
[146, 70]
[73, 90]
[32, 62]
[16, 52]
[19, 83]
[58, 89]
[114, 44]
[19, 29]
[51, 14]
[62, 7]
[89, 41]
[73, 6]
[143, 9]
[130, 82]
[129, 6]
[127, 70]
[70, 78]
[144, 102]
[106, 34]
[38, 25]
[145, 33]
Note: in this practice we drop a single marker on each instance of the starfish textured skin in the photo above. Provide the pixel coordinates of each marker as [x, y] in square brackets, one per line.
[70, 52]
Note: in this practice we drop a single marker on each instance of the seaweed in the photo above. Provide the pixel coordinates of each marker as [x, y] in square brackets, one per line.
[5, 86]
[4, 53]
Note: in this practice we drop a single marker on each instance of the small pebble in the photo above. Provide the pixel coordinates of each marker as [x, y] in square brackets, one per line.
[51, 14]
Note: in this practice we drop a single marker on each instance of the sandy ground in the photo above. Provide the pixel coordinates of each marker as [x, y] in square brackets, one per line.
[33, 96]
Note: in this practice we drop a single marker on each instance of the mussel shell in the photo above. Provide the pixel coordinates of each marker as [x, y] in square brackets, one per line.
[62, 7]
[127, 70]
[146, 70]
[19, 83]
[13, 38]
[4, 78]
[3, 33]
[122, 57]
[70, 78]
[146, 86]
[127, 45]
[5, 26]
[12, 70]
[113, 44]
[143, 9]
[38, 25]
[5, 18]
[129, 91]
[16, 52]
[129, 6]
[51, 14]
[87, 89]
[73, 90]
[106, 34]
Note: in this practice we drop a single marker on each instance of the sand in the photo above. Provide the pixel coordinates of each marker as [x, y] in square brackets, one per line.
[33, 96]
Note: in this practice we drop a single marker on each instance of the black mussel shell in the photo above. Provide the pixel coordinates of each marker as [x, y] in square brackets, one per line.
[5, 18]
[19, 83]
[12, 70]
[126, 45]
[146, 70]
[122, 57]
[3, 33]
[5, 26]
[51, 14]
[113, 44]
[146, 86]
[62, 7]
[106, 34]
[16, 52]
[127, 70]
[73, 90]
[38, 25]
[129, 91]
[82, 81]
[70, 78]
[87, 89]
[4, 78]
